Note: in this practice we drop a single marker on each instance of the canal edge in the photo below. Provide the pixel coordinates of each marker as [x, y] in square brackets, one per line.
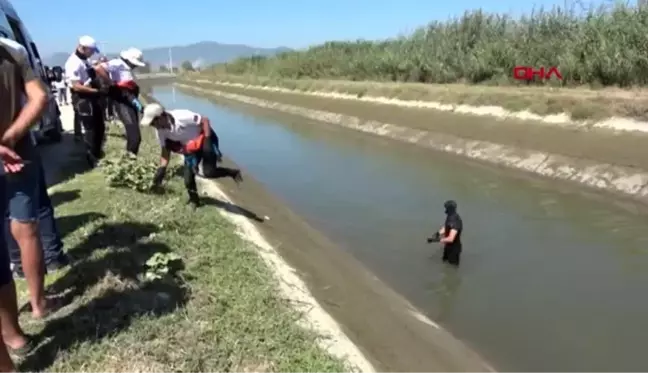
[294, 289]
[602, 176]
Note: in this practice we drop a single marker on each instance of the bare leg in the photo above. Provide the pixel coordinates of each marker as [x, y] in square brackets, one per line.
[6, 365]
[12, 334]
[27, 237]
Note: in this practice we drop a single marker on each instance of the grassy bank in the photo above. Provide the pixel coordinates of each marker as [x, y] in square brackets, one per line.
[159, 287]
[578, 103]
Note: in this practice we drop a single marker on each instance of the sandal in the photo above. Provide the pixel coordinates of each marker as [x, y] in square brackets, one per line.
[30, 345]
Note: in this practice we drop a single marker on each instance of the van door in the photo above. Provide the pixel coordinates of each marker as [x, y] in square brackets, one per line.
[39, 60]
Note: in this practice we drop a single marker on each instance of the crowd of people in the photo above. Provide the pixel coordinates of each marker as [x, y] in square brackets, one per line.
[30, 243]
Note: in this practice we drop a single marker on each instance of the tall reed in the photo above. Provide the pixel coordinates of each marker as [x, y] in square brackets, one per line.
[599, 46]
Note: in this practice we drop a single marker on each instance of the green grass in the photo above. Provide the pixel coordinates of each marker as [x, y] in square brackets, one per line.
[217, 310]
[593, 45]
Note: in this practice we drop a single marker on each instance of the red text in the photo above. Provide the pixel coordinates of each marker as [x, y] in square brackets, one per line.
[530, 72]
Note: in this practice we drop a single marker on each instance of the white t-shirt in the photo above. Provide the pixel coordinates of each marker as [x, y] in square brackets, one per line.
[185, 128]
[76, 70]
[118, 70]
[59, 85]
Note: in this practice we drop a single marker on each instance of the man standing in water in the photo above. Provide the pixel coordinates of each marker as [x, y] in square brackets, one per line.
[450, 234]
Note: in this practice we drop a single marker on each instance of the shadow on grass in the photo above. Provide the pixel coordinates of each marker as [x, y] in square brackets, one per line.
[68, 153]
[59, 198]
[123, 234]
[70, 223]
[232, 208]
[222, 172]
[107, 315]
[116, 135]
[123, 297]
[126, 260]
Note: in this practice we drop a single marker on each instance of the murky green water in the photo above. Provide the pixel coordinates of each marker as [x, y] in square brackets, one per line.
[551, 279]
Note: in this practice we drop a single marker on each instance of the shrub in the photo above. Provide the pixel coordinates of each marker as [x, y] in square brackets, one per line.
[128, 172]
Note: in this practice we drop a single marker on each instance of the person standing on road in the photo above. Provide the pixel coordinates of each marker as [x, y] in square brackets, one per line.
[86, 95]
[190, 134]
[126, 94]
[61, 91]
[450, 234]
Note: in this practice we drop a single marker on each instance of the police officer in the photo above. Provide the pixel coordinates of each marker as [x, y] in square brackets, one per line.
[86, 95]
[450, 234]
[125, 94]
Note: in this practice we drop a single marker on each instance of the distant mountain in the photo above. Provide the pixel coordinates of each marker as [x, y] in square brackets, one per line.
[207, 52]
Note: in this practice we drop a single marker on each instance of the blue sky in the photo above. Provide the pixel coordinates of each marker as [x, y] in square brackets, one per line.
[262, 23]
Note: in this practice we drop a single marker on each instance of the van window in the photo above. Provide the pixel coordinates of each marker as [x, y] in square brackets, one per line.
[38, 57]
[35, 51]
[15, 27]
[5, 27]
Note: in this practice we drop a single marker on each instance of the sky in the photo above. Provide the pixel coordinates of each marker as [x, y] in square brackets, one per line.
[56, 25]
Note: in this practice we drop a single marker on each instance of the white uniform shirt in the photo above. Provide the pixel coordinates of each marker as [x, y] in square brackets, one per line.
[118, 70]
[185, 128]
[76, 70]
[59, 85]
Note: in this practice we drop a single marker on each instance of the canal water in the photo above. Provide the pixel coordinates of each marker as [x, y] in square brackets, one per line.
[551, 280]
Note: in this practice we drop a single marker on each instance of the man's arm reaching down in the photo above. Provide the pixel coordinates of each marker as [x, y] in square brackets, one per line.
[161, 170]
[206, 126]
[32, 110]
[165, 154]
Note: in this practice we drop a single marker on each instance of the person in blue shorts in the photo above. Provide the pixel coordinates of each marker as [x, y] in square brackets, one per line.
[22, 104]
[17, 83]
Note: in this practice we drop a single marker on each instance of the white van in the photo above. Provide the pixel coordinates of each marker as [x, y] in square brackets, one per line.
[12, 27]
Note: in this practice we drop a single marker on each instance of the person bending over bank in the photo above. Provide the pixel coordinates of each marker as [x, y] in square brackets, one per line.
[188, 133]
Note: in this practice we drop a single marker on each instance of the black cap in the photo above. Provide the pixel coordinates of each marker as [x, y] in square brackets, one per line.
[450, 206]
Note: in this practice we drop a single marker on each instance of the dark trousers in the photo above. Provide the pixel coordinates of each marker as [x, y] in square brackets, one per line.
[110, 108]
[452, 254]
[78, 132]
[88, 114]
[62, 96]
[129, 117]
[209, 156]
[49, 233]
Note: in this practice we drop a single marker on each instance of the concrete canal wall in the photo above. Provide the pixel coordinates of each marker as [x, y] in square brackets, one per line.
[617, 178]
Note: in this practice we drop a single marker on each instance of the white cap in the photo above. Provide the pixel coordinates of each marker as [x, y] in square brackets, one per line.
[151, 111]
[88, 42]
[134, 56]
